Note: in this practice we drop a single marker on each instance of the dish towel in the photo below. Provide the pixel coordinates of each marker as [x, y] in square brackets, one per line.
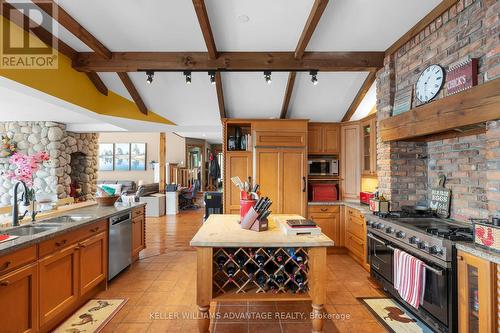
[409, 277]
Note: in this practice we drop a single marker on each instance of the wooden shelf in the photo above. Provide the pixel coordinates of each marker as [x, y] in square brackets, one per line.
[263, 297]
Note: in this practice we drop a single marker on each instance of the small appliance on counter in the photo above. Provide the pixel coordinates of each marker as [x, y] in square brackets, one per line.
[487, 233]
[365, 196]
[323, 192]
[325, 166]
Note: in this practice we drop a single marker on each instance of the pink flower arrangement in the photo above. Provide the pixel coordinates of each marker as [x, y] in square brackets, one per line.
[27, 166]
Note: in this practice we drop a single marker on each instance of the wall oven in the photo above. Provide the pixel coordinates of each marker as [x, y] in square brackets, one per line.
[437, 308]
[323, 167]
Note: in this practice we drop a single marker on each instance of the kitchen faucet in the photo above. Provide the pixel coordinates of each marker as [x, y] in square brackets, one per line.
[15, 207]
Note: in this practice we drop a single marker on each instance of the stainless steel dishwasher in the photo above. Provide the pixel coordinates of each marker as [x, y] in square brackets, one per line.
[120, 244]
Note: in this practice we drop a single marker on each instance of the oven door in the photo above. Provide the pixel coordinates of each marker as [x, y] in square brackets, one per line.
[380, 257]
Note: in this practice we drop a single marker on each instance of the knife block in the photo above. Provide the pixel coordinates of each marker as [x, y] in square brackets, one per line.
[250, 221]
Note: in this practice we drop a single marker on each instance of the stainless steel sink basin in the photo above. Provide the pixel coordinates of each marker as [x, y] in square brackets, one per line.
[29, 230]
[65, 219]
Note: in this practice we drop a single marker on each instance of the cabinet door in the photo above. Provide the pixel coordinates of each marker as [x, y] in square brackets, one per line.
[366, 148]
[350, 168]
[19, 300]
[326, 223]
[314, 139]
[93, 261]
[476, 280]
[237, 164]
[294, 182]
[373, 146]
[58, 282]
[138, 236]
[331, 139]
[268, 175]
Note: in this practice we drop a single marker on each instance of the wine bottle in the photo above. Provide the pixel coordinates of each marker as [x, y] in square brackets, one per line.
[250, 269]
[230, 252]
[279, 278]
[270, 252]
[261, 280]
[259, 258]
[300, 261]
[279, 257]
[291, 253]
[230, 270]
[221, 260]
[241, 259]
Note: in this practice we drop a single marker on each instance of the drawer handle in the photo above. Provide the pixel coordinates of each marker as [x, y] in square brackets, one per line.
[324, 209]
[460, 258]
[4, 283]
[61, 243]
[5, 265]
[94, 229]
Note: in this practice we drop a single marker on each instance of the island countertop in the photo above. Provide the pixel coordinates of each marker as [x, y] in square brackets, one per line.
[225, 231]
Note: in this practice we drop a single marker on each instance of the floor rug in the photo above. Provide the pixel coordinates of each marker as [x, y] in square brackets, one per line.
[393, 316]
[92, 317]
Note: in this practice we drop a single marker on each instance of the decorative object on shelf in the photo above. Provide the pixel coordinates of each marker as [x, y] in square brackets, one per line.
[137, 156]
[8, 147]
[122, 157]
[403, 99]
[440, 198]
[486, 234]
[106, 154]
[429, 83]
[461, 77]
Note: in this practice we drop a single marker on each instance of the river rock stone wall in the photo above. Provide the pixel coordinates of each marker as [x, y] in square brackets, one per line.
[55, 175]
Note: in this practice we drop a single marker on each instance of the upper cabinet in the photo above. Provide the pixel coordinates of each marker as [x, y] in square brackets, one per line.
[368, 141]
[323, 139]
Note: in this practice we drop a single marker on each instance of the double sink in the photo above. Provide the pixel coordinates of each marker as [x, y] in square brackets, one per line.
[50, 224]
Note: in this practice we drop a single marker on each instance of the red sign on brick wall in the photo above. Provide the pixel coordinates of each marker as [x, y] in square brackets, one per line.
[461, 77]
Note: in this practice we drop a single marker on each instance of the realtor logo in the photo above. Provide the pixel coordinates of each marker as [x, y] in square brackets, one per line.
[28, 35]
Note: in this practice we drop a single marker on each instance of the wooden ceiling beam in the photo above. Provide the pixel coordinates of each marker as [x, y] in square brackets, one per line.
[417, 28]
[288, 94]
[74, 27]
[96, 80]
[201, 12]
[312, 21]
[361, 94]
[230, 61]
[127, 82]
[220, 95]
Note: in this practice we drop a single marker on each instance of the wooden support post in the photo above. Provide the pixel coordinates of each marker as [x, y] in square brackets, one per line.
[204, 287]
[317, 286]
[162, 161]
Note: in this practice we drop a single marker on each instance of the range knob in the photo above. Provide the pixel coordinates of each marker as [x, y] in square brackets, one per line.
[400, 234]
[380, 226]
[389, 230]
[369, 223]
[435, 250]
[422, 245]
[413, 240]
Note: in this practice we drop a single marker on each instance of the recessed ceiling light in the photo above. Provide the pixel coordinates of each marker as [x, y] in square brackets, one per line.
[243, 18]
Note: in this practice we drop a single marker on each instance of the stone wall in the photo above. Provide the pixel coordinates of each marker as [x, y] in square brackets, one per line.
[469, 29]
[54, 175]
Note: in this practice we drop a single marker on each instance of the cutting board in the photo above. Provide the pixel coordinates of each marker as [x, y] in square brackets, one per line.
[440, 198]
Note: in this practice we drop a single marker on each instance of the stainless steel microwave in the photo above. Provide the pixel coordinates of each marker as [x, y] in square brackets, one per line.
[323, 167]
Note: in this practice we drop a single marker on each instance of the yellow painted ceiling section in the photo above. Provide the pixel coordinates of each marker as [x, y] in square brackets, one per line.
[75, 87]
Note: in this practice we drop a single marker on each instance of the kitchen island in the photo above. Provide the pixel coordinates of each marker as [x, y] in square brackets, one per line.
[234, 264]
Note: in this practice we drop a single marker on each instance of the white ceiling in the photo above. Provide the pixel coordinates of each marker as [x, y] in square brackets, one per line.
[367, 104]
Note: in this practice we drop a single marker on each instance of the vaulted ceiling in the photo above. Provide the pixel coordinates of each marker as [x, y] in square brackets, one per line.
[242, 25]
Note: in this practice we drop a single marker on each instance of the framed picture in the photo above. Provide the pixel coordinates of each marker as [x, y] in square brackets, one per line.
[122, 156]
[138, 156]
[106, 156]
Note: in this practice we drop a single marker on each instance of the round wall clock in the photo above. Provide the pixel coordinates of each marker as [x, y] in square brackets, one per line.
[429, 83]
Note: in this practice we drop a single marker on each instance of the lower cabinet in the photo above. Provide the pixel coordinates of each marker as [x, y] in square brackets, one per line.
[93, 262]
[355, 235]
[477, 294]
[138, 236]
[19, 300]
[328, 219]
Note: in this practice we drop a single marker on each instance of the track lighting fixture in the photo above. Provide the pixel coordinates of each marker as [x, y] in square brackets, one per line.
[188, 77]
[212, 77]
[150, 75]
[267, 76]
[314, 77]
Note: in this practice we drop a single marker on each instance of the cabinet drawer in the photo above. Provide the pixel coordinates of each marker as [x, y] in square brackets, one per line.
[324, 209]
[355, 245]
[356, 227]
[136, 212]
[280, 139]
[354, 213]
[16, 259]
[71, 237]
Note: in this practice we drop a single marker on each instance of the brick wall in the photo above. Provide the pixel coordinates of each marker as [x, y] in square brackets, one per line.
[469, 29]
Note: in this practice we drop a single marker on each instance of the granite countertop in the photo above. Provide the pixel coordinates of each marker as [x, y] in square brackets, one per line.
[94, 214]
[479, 252]
[364, 209]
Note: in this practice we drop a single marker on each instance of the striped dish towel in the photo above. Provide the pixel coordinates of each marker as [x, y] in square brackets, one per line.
[409, 277]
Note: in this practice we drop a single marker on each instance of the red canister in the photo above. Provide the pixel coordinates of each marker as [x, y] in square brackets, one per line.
[245, 206]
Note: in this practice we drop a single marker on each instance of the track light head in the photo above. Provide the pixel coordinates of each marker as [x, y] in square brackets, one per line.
[187, 74]
[314, 77]
[150, 75]
[267, 76]
[212, 77]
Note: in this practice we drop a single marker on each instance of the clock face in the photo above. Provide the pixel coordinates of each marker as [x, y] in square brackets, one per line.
[429, 83]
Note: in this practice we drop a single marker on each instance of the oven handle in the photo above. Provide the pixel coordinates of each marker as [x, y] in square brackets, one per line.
[432, 269]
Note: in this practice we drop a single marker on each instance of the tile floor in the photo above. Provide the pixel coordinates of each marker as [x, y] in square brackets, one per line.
[160, 288]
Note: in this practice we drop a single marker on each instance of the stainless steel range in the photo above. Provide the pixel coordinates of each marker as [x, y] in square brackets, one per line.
[430, 239]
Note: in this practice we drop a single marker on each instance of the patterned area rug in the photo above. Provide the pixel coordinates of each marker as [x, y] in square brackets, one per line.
[92, 317]
[393, 316]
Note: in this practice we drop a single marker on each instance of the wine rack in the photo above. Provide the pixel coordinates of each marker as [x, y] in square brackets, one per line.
[260, 270]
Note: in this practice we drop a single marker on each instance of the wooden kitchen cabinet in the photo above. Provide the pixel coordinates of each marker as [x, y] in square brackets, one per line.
[328, 219]
[238, 164]
[19, 300]
[477, 294]
[355, 235]
[323, 139]
[350, 173]
[138, 235]
[58, 282]
[368, 142]
[93, 262]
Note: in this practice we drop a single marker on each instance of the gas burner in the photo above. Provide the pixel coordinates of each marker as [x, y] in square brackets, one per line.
[452, 233]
